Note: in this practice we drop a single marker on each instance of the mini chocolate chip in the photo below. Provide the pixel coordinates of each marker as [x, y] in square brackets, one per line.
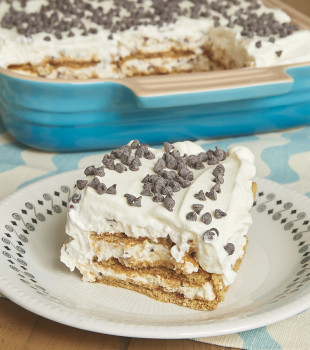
[158, 198]
[191, 216]
[47, 38]
[101, 188]
[108, 161]
[199, 165]
[209, 235]
[90, 170]
[135, 144]
[212, 160]
[279, 53]
[76, 198]
[167, 191]
[230, 248]
[146, 179]
[202, 157]
[206, 218]
[99, 171]
[191, 161]
[147, 190]
[211, 195]
[168, 147]
[258, 44]
[198, 208]
[81, 184]
[134, 165]
[120, 168]
[217, 188]
[133, 201]
[149, 155]
[94, 183]
[175, 186]
[159, 165]
[219, 153]
[218, 214]
[169, 203]
[200, 195]
[112, 189]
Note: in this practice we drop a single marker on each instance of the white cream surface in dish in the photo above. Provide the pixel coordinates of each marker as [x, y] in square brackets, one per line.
[114, 54]
[111, 213]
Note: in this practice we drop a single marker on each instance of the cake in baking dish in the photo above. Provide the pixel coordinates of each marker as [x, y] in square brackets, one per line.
[80, 39]
[170, 223]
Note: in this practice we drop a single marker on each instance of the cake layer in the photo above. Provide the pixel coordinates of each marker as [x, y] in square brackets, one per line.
[126, 38]
[141, 252]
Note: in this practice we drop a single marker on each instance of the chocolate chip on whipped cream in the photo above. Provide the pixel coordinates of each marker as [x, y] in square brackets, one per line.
[76, 197]
[206, 218]
[133, 201]
[200, 195]
[192, 216]
[209, 235]
[229, 248]
[81, 184]
[218, 213]
[197, 208]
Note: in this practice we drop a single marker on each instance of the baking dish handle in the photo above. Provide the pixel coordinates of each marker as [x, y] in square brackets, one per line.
[209, 87]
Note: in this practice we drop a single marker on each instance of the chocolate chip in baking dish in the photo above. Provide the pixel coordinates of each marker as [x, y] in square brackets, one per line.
[159, 165]
[149, 155]
[219, 169]
[146, 178]
[99, 171]
[133, 201]
[202, 157]
[212, 160]
[168, 147]
[169, 203]
[101, 188]
[112, 189]
[76, 198]
[120, 168]
[209, 235]
[147, 190]
[218, 213]
[206, 218]
[230, 248]
[220, 154]
[191, 160]
[197, 208]
[90, 170]
[175, 186]
[200, 196]
[135, 144]
[279, 53]
[134, 165]
[167, 191]
[81, 184]
[108, 161]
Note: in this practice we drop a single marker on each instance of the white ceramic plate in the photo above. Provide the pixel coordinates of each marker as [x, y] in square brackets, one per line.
[273, 282]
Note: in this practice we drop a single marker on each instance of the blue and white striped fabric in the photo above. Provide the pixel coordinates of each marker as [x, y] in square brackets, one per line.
[283, 157]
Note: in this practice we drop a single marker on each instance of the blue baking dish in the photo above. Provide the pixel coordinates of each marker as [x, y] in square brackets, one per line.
[62, 116]
[76, 116]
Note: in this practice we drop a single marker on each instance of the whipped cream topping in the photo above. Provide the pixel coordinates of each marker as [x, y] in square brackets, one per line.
[93, 212]
[188, 28]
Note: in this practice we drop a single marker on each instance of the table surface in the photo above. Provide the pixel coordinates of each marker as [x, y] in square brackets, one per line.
[21, 329]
